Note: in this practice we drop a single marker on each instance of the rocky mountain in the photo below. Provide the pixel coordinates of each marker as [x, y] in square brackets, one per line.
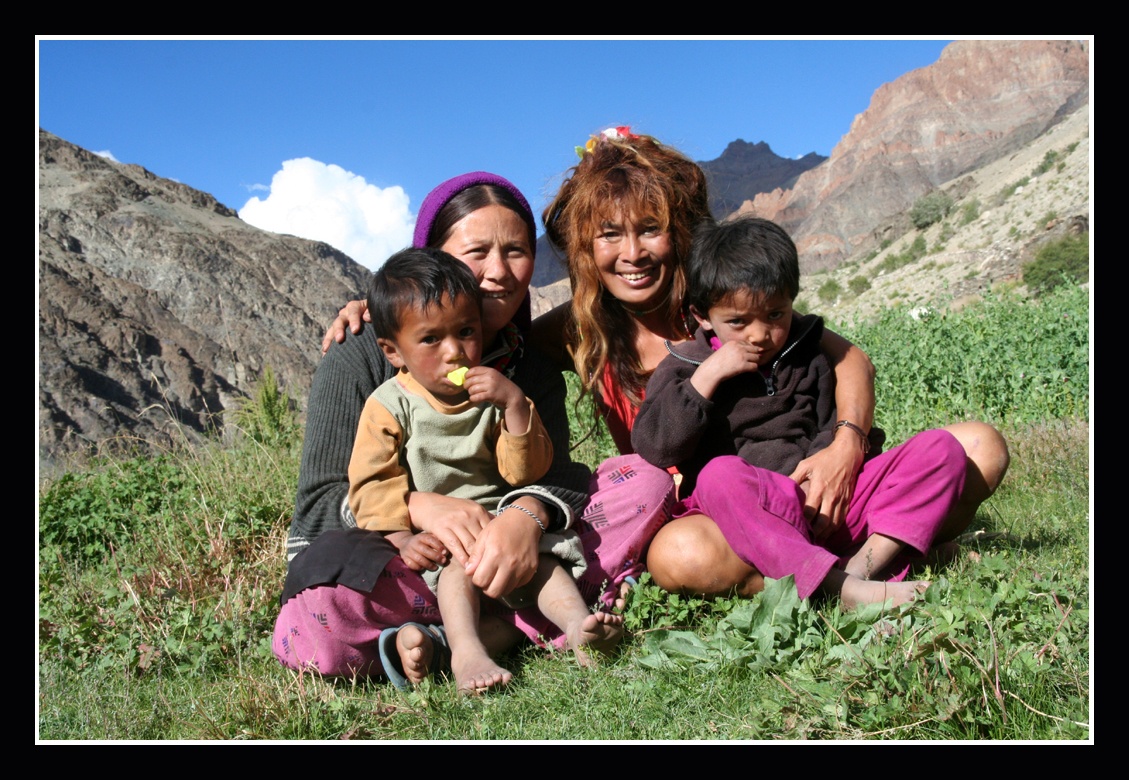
[158, 306]
[981, 100]
[1001, 215]
[745, 170]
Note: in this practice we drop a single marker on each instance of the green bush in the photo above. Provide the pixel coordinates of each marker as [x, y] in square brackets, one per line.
[1059, 261]
[829, 291]
[858, 285]
[930, 208]
[915, 252]
[85, 514]
[971, 212]
[1049, 160]
[1010, 189]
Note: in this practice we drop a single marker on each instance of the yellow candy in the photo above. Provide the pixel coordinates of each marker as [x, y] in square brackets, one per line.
[458, 376]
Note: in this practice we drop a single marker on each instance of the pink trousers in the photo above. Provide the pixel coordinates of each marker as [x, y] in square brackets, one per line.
[904, 494]
[335, 629]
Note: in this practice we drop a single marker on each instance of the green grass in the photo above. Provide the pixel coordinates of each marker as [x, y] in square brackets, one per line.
[167, 636]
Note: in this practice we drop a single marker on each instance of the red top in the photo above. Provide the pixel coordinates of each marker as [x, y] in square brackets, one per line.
[619, 413]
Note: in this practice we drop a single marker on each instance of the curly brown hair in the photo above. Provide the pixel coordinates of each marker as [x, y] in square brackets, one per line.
[636, 177]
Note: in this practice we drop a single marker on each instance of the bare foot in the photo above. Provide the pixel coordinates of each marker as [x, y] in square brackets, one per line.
[600, 631]
[416, 650]
[476, 672]
[856, 592]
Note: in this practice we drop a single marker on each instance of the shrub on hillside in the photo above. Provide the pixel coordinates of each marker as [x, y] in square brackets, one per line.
[858, 285]
[1065, 260]
[829, 291]
[929, 209]
[1049, 160]
[971, 212]
[914, 252]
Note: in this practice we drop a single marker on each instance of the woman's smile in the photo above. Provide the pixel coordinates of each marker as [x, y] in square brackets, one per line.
[635, 260]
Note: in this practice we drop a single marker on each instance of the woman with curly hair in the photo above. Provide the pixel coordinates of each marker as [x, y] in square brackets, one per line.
[624, 219]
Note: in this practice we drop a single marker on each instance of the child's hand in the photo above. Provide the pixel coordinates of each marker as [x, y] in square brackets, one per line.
[486, 384]
[734, 357]
[422, 551]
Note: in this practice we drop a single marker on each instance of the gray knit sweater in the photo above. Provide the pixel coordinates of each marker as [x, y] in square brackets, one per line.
[348, 374]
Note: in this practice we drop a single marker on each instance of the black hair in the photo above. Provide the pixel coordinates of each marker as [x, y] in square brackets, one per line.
[471, 200]
[740, 254]
[416, 279]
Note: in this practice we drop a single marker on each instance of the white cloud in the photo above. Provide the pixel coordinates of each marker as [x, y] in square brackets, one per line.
[327, 203]
[106, 153]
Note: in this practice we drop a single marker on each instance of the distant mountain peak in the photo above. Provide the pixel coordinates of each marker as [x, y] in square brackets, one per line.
[745, 170]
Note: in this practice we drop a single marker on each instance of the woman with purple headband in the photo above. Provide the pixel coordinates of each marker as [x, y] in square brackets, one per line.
[350, 605]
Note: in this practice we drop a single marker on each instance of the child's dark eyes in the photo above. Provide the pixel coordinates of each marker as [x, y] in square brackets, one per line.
[467, 332]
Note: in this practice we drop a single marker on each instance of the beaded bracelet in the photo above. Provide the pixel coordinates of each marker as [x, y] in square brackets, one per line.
[536, 519]
[856, 429]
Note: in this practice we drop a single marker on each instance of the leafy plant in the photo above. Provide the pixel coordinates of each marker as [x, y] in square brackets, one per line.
[999, 360]
[930, 208]
[970, 212]
[1067, 259]
[829, 291]
[85, 515]
[266, 415]
[1049, 161]
[858, 285]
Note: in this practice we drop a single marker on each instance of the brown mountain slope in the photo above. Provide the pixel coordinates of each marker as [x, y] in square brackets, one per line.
[980, 101]
[157, 303]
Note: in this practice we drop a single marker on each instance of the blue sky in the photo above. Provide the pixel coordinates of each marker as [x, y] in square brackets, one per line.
[371, 126]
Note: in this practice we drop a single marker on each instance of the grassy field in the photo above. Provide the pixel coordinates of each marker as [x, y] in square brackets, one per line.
[159, 578]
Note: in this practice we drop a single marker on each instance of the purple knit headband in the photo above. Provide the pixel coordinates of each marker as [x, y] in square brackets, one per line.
[441, 195]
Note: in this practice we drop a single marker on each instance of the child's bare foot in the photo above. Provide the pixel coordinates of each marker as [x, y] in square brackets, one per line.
[416, 650]
[600, 631]
[476, 672]
[410, 652]
[857, 592]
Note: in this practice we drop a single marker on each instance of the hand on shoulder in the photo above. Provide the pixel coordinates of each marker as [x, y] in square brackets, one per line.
[352, 316]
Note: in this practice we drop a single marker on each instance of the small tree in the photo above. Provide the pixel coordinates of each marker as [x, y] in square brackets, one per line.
[929, 209]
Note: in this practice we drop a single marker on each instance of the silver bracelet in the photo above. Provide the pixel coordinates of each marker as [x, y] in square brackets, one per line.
[856, 429]
[536, 519]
